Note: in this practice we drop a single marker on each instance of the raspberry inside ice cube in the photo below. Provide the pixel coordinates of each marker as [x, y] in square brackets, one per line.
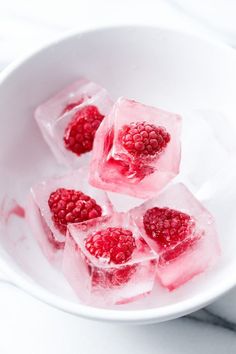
[80, 132]
[107, 261]
[69, 120]
[136, 149]
[182, 233]
[114, 243]
[143, 140]
[71, 206]
[57, 202]
[167, 226]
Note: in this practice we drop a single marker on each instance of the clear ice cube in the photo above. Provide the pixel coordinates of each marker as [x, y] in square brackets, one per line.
[54, 115]
[49, 237]
[208, 143]
[114, 168]
[199, 250]
[99, 282]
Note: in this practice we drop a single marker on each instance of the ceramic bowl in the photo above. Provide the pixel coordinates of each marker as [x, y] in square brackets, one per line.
[157, 66]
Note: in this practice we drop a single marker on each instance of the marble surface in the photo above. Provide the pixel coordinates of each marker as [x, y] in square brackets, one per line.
[29, 326]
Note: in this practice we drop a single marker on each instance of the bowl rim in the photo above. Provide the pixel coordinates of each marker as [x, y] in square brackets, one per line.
[19, 279]
[227, 34]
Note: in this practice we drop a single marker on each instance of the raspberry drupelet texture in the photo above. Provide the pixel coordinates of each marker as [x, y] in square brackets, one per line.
[142, 139]
[80, 132]
[114, 244]
[167, 226]
[70, 206]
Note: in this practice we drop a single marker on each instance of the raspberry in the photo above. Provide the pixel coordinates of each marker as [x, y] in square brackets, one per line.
[80, 132]
[70, 206]
[167, 226]
[114, 277]
[114, 243]
[179, 249]
[142, 139]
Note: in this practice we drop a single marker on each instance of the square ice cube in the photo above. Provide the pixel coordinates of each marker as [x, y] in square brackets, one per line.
[182, 233]
[68, 121]
[136, 149]
[122, 272]
[208, 143]
[49, 219]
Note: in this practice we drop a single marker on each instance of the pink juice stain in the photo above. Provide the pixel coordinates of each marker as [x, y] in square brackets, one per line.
[12, 212]
[18, 211]
[10, 207]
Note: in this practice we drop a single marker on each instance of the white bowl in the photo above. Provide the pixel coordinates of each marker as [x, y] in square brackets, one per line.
[154, 65]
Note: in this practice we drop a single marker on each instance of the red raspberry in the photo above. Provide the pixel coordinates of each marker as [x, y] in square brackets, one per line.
[80, 132]
[142, 139]
[114, 243]
[167, 226]
[113, 277]
[179, 249]
[70, 206]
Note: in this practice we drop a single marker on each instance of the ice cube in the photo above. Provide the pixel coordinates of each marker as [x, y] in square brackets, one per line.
[181, 232]
[83, 101]
[120, 273]
[136, 149]
[208, 142]
[50, 231]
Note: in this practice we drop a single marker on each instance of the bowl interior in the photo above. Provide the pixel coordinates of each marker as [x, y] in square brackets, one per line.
[155, 66]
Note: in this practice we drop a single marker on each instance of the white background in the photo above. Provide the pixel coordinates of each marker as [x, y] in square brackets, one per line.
[28, 326]
[26, 24]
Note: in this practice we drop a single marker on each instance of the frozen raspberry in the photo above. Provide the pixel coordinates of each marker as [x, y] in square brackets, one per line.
[179, 249]
[114, 243]
[70, 206]
[80, 132]
[167, 226]
[116, 277]
[144, 139]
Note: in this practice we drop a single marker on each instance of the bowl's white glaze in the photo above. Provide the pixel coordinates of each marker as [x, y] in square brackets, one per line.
[154, 65]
